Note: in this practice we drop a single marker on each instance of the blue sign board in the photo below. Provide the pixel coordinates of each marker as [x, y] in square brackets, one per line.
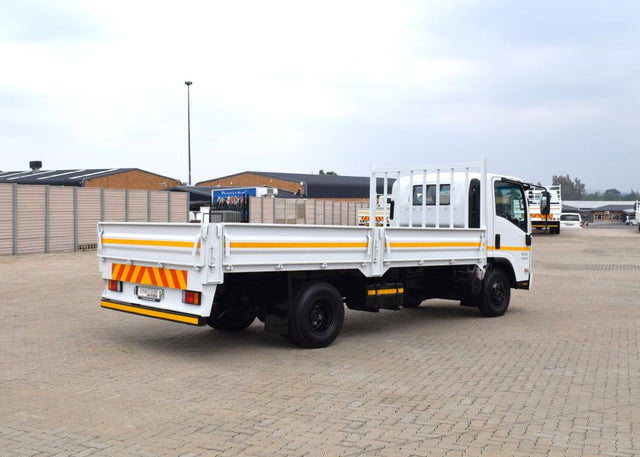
[231, 199]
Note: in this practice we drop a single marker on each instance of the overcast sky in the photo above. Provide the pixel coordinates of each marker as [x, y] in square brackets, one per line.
[537, 87]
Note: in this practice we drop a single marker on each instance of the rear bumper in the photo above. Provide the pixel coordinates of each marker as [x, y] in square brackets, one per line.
[543, 224]
[153, 312]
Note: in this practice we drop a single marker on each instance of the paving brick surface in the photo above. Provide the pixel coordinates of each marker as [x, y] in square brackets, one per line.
[558, 375]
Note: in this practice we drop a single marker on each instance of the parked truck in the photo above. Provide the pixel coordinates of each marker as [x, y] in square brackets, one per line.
[548, 222]
[638, 214]
[381, 215]
[456, 232]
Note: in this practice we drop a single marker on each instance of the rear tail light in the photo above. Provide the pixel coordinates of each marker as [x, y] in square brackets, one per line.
[114, 286]
[190, 297]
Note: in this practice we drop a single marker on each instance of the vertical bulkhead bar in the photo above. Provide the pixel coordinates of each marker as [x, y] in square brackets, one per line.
[451, 198]
[385, 198]
[467, 186]
[484, 196]
[396, 222]
[372, 198]
[438, 198]
[424, 198]
[410, 198]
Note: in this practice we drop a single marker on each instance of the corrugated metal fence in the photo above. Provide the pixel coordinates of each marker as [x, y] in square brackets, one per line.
[37, 219]
[304, 211]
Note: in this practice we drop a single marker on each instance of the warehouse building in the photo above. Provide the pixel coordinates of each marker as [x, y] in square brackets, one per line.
[333, 187]
[600, 211]
[108, 178]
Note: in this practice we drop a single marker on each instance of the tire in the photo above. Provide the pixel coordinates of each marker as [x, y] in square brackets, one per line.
[496, 294]
[230, 318]
[316, 316]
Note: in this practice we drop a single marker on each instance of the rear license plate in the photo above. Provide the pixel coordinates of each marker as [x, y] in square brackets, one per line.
[149, 293]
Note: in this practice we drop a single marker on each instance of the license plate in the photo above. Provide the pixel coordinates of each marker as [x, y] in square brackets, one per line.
[149, 293]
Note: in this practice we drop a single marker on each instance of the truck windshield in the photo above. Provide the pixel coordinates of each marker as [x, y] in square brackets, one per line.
[510, 203]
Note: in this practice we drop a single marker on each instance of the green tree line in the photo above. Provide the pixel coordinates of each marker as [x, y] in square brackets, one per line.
[574, 189]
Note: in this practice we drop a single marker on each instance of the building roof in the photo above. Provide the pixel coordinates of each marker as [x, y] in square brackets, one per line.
[322, 186]
[594, 205]
[75, 177]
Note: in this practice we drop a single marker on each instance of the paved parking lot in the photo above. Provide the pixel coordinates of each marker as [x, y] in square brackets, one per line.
[558, 375]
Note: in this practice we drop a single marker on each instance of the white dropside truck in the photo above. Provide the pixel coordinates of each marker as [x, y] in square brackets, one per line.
[456, 233]
[551, 221]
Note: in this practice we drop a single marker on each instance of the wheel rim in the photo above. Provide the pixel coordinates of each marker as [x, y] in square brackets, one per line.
[320, 316]
[498, 293]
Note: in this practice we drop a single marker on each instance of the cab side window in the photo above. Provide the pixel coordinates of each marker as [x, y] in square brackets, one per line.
[445, 195]
[510, 203]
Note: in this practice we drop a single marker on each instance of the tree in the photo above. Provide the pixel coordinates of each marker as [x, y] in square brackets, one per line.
[614, 194]
[571, 190]
[328, 173]
[611, 194]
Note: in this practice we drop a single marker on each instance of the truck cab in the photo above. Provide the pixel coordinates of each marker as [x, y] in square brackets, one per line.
[454, 200]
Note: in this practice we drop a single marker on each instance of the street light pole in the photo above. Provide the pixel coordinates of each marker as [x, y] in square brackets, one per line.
[188, 83]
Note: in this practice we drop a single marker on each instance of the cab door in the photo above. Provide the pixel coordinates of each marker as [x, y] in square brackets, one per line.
[512, 229]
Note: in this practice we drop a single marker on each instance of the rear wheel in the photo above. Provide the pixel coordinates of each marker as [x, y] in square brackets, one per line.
[496, 294]
[317, 315]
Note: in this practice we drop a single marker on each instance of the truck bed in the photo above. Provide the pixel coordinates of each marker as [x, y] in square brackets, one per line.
[213, 250]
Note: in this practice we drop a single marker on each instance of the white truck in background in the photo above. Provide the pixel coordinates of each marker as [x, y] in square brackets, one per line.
[548, 222]
[382, 216]
[455, 232]
[638, 214]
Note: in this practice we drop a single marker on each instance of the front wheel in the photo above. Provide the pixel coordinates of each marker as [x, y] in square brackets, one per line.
[316, 316]
[496, 294]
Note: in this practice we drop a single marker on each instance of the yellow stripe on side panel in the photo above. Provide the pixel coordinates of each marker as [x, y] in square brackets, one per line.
[473, 244]
[149, 312]
[509, 248]
[162, 243]
[293, 245]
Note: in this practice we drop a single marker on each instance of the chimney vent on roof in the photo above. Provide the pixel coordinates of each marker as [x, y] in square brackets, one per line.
[35, 165]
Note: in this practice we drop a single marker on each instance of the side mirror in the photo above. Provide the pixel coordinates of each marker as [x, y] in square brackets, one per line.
[545, 203]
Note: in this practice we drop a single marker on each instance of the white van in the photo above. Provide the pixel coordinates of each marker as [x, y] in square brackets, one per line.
[570, 220]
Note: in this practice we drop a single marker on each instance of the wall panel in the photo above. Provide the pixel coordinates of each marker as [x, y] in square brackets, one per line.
[31, 223]
[61, 219]
[6, 219]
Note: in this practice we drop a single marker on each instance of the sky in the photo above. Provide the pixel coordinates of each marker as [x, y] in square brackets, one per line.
[538, 88]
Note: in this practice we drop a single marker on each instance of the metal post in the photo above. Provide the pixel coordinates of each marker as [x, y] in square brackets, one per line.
[451, 199]
[424, 198]
[168, 206]
[15, 219]
[102, 203]
[75, 219]
[410, 198]
[46, 219]
[126, 205]
[188, 83]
